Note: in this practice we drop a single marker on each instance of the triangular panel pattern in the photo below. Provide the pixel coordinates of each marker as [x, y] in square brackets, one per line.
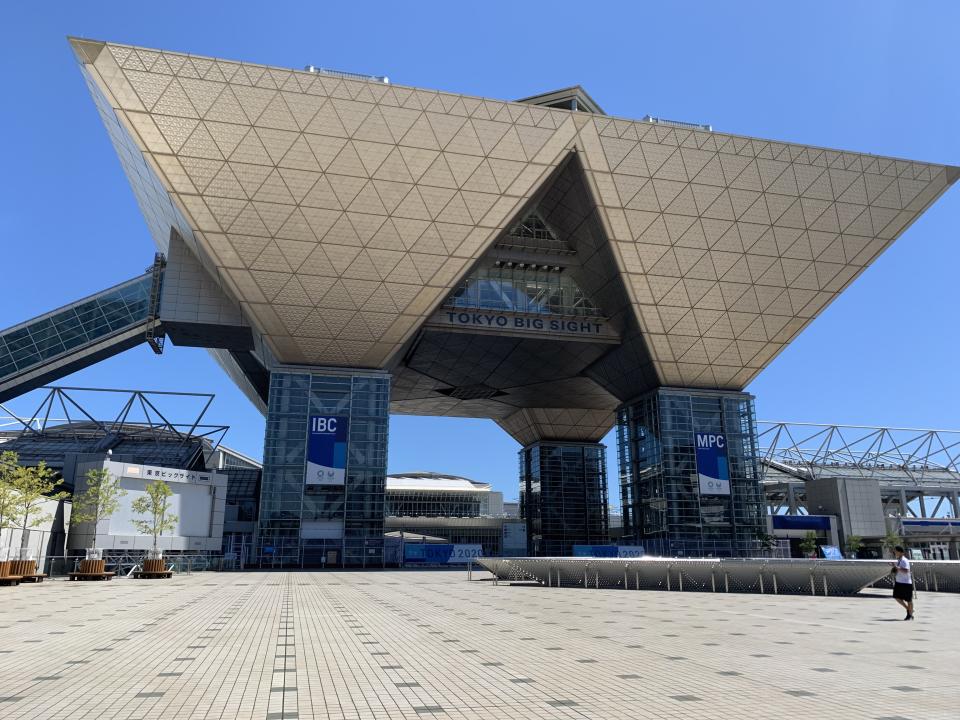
[378, 199]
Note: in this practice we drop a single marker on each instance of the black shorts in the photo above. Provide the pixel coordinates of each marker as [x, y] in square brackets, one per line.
[903, 591]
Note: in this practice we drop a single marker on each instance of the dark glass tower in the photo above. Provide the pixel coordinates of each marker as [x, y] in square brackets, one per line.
[670, 504]
[563, 496]
[309, 525]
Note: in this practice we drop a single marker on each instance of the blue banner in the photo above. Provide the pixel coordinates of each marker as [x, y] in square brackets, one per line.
[595, 551]
[440, 553]
[831, 552]
[608, 551]
[327, 450]
[712, 468]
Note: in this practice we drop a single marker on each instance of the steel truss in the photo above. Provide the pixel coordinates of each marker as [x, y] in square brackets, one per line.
[138, 418]
[918, 471]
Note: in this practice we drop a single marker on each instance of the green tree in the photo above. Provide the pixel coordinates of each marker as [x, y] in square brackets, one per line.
[853, 544]
[891, 540]
[33, 486]
[808, 546]
[98, 501]
[156, 506]
[9, 464]
[767, 542]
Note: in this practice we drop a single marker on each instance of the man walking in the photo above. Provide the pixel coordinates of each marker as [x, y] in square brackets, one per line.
[903, 582]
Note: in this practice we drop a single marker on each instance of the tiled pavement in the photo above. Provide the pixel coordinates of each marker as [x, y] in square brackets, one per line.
[430, 645]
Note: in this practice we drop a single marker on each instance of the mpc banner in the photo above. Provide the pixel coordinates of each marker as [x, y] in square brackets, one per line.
[712, 467]
[327, 450]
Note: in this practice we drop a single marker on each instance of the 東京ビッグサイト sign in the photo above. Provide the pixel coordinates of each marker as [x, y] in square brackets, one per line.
[327, 450]
[712, 466]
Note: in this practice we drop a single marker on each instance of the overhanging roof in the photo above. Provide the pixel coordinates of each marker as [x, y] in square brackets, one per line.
[341, 213]
[571, 98]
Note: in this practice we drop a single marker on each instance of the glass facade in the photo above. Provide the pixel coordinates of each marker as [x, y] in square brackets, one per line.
[663, 506]
[563, 496]
[533, 235]
[437, 503]
[532, 289]
[69, 328]
[305, 525]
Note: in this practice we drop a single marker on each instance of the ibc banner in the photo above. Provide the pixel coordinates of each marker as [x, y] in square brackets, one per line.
[712, 467]
[327, 450]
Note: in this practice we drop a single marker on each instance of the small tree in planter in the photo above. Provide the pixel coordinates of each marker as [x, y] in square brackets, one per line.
[767, 543]
[33, 486]
[891, 540]
[808, 546]
[98, 501]
[155, 505]
[853, 544]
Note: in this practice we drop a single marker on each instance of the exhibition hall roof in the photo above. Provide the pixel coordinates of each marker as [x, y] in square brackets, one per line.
[341, 215]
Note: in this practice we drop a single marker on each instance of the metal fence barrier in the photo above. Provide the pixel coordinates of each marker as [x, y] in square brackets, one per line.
[739, 575]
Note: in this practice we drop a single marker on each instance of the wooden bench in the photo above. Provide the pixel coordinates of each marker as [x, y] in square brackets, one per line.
[91, 570]
[27, 570]
[153, 570]
[6, 577]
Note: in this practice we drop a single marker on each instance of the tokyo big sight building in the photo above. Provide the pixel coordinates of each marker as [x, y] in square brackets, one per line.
[348, 248]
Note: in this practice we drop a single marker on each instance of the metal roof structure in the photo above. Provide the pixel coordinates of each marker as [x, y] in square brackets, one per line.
[318, 220]
[913, 467]
[420, 480]
[65, 424]
[890, 455]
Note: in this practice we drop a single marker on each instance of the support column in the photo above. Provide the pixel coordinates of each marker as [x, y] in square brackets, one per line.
[563, 496]
[689, 462]
[791, 499]
[324, 469]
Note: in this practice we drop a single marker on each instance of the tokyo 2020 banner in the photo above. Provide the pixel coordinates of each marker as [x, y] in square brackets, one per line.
[713, 468]
[327, 450]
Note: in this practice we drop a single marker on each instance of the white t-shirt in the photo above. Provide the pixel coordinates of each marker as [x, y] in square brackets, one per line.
[904, 577]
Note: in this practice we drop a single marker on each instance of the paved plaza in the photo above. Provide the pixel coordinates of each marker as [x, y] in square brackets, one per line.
[406, 644]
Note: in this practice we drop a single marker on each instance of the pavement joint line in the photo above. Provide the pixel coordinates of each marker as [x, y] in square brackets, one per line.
[327, 645]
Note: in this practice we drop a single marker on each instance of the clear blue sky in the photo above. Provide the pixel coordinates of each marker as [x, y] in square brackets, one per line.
[871, 76]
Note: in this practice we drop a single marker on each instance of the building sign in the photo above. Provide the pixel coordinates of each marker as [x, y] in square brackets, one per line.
[514, 538]
[440, 553]
[327, 450]
[506, 323]
[151, 472]
[712, 467]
